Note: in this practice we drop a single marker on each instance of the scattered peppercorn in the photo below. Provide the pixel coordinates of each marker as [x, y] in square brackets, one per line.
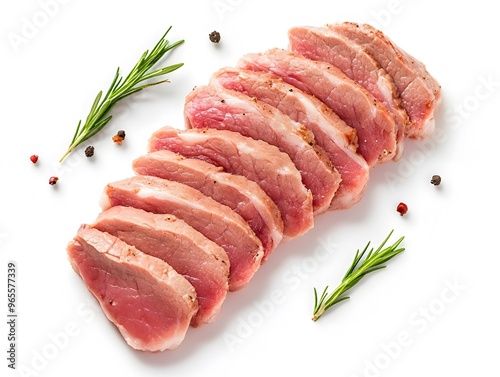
[53, 180]
[436, 180]
[119, 137]
[34, 158]
[402, 208]
[89, 151]
[214, 37]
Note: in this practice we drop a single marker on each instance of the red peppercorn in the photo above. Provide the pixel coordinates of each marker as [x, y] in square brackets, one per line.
[34, 158]
[402, 208]
[53, 180]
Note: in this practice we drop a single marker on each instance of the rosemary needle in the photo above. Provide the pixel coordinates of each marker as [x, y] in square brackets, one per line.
[120, 88]
[373, 261]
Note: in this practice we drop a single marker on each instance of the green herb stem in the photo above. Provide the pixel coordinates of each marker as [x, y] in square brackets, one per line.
[373, 261]
[120, 88]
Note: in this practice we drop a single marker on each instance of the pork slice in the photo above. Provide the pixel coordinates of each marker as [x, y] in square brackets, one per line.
[214, 106]
[244, 196]
[353, 104]
[201, 261]
[148, 301]
[419, 91]
[215, 221]
[324, 44]
[331, 133]
[257, 160]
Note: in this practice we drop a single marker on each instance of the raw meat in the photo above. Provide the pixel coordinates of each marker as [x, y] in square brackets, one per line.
[216, 107]
[245, 197]
[257, 160]
[331, 133]
[148, 301]
[324, 44]
[419, 91]
[202, 262]
[215, 221]
[353, 104]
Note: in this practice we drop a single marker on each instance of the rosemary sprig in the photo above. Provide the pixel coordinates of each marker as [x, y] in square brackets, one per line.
[120, 88]
[373, 261]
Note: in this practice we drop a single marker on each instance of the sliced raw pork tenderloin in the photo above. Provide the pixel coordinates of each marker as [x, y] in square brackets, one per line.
[257, 160]
[148, 301]
[338, 140]
[419, 91]
[201, 261]
[214, 106]
[244, 196]
[324, 44]
[215, 221]
[356, 106]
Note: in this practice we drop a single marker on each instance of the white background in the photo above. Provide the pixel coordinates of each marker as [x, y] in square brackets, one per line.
[432, 312]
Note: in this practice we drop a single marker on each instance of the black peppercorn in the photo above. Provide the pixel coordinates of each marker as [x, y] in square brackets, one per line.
[89, 151]
[436, 180]
[214, 37]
